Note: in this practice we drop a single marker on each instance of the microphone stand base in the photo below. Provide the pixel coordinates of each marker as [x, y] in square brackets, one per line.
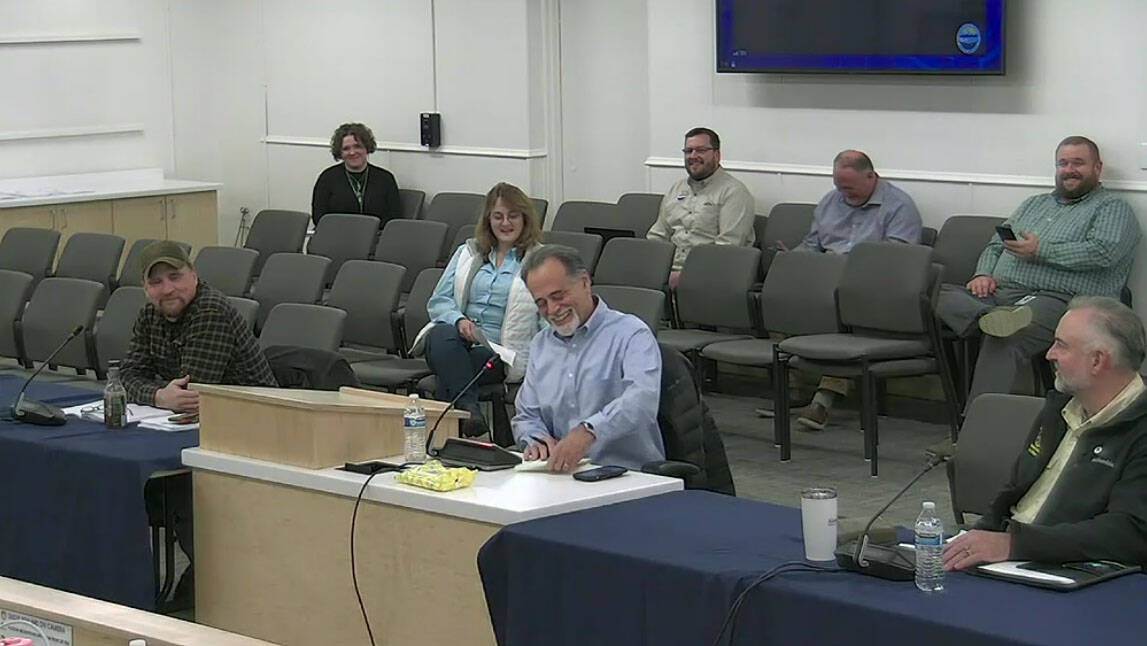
[890, 562]
[38, 413]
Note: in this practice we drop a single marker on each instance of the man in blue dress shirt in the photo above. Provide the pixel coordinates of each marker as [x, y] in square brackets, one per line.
[862, 207]
[593, 382]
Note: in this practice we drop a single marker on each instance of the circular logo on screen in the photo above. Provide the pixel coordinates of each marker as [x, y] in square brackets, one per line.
[968, 38]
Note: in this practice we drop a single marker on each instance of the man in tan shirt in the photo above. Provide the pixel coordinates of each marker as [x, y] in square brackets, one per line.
[709, 206]
[1077, 493]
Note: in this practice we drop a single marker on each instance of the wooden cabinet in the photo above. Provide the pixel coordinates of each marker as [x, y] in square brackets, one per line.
[86, 217]
[185, 217]
[39, 217]
[139, 218]
[193, 218]
[133, 204]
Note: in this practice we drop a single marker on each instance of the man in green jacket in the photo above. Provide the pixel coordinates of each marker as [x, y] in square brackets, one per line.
[1079, 490]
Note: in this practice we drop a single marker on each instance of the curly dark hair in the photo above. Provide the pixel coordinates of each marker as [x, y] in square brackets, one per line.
[359, 131]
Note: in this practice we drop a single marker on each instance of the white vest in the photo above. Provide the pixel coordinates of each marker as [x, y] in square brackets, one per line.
[520, 323]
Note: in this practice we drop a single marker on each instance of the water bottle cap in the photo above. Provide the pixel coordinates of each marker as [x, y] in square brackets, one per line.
[929, 505]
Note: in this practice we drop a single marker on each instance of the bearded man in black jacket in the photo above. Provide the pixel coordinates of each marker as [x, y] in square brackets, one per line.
[1079, 490]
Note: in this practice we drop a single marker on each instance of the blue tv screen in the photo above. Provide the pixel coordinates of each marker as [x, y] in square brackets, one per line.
[861, 36]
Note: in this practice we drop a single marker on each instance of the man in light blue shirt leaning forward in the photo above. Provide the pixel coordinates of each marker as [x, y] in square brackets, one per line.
[593, 382]
[862, 207]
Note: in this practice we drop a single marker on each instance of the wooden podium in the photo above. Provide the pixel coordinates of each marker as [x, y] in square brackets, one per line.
[309, 428]
[272, 521]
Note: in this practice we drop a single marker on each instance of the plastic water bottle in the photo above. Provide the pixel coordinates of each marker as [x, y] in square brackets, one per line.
[115, 399]
[414, 427]
[929, 550]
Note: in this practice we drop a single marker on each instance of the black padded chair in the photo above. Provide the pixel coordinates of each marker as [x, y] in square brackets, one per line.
[454, 210]
[646, 304]
[885, 301]
[15, 290]
[412, 201]
[367, 290]
[637, 212]
[114, 329]
[405, 373]
[588, 245]
[694, 450]
[276, 231]
[228, 269]
[303, 326]
[248, 309]
[57, 306]
[342, 237]
[289, 278]
[714, 292]
[576, 215]
[992, 436]
[635, 262]
[798, 297]
[29, 250]
[91, 256]
[413, 244]
[788, 222]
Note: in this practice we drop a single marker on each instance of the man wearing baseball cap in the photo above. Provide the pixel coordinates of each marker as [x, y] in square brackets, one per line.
[188, 332]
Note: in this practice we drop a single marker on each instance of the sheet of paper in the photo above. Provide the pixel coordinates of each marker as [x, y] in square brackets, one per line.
[507, 355]
[94, 411]
[544, 466]
[161, 424]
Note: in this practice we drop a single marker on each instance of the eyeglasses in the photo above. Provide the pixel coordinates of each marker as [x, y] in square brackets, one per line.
[700, 151]
[512, 217]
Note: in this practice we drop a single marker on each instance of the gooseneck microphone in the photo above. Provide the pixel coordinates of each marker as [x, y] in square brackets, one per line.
[41, 413]
[486, 367]
[888, 562]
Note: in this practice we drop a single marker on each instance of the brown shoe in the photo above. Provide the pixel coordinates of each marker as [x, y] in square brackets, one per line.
[813, 417]
[797, 399]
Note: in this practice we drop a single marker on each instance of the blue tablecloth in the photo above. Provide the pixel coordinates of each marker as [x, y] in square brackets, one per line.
[664, 570]
[72, 512]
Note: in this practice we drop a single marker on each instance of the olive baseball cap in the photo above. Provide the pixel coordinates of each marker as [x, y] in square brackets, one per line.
[164, 251]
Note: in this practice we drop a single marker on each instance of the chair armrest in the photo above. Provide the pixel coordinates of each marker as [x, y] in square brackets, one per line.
[671, 469]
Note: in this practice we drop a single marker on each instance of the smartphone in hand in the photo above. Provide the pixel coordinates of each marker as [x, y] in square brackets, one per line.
[1005, 232]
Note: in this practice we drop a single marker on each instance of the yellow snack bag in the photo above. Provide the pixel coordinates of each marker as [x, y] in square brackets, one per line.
[436, 477]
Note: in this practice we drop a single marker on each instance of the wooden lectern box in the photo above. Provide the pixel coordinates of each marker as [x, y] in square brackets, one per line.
[315, 429]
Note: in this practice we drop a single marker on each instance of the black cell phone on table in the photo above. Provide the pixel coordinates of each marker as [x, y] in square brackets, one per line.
[1005, 232]
[600, 473]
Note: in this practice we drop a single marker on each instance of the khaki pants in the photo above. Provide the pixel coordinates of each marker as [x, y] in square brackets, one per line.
[803, 381]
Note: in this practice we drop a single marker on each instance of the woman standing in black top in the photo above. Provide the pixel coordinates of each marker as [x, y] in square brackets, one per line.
[355, 186]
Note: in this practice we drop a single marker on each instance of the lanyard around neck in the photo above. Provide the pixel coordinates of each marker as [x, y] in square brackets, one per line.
[358, 188]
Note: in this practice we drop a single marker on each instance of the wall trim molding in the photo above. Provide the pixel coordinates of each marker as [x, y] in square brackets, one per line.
[78, 131]
[906, 175]
[396, 146]
[64, 39]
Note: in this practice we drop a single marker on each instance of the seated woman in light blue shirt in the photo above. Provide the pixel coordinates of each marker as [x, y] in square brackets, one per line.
[481, 298]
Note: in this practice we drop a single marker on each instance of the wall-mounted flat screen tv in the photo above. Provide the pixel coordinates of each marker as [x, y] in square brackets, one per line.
[861, 36]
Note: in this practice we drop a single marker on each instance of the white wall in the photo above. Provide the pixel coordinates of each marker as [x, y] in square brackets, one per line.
[246, 93]
[958, 145]
[605, 98]
[87, 87]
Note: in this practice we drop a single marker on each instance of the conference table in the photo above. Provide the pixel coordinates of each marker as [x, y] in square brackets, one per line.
[72, 513]
[665, 570]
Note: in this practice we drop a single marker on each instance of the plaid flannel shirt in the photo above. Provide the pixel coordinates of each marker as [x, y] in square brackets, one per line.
[210, 342]
[1086, 245]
